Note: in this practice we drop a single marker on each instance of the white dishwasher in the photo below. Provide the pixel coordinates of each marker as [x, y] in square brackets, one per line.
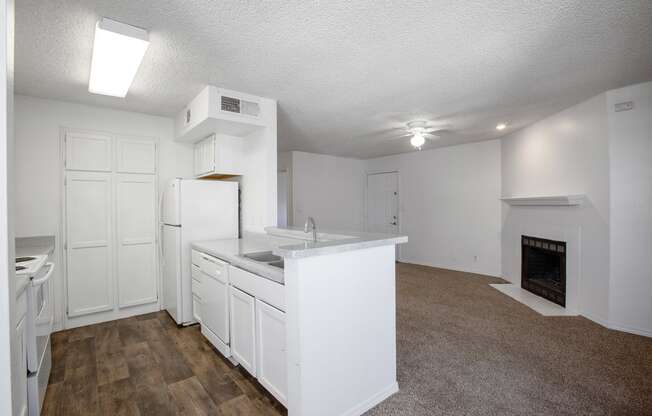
[214, 304]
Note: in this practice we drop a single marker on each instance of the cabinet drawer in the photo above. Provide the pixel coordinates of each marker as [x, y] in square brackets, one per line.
[259, 287]
[195, 272]
[196, 258]
[196, 288]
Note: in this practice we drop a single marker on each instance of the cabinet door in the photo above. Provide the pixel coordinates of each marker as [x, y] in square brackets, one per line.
[85, 151]
[136, 231]
[20, 376]
[136, 156]
[89, 248]
[197, 159]
[270, 363]
[215, 305]
[204, 156]
[243, 329]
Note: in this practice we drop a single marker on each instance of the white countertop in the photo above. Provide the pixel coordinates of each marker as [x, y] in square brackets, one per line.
[290, 243]
[328, 242]
[232, 250]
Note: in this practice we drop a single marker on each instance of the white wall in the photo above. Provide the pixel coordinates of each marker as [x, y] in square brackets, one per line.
[630, 147]
[566, 153]
[285, 165]
[258, 180]
[7, 271]
[329, 189]
[38, 169]
[449, 205]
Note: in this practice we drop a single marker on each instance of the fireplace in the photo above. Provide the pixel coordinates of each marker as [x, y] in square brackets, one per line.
[543, 268]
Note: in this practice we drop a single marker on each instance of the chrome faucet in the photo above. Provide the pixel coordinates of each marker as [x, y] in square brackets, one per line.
[310, 224]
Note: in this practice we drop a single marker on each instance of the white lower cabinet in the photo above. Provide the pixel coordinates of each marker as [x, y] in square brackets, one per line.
[270, 339]
[243, 329]
[240, 314]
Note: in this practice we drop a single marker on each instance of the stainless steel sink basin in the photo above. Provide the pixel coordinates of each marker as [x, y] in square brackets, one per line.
[263, 257]
[278, 264]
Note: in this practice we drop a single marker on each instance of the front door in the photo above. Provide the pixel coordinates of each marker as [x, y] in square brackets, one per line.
[382, 203]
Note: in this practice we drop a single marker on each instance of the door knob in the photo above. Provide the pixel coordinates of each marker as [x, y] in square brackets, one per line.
[393, 223]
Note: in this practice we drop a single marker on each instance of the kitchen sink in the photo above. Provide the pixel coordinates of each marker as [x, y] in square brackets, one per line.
[263, 257]
[278, 264]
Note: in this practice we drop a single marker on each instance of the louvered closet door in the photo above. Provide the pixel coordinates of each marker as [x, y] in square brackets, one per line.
[89, 240]
[136, 238]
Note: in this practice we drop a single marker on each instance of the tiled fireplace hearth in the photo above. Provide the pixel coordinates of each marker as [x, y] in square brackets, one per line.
[543, 268]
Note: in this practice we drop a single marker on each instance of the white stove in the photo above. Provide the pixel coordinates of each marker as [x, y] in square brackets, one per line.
[38, 326]
[30, 265]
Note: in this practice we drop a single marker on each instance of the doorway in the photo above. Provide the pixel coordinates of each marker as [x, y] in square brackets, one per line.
[382, 204]
[283, 195]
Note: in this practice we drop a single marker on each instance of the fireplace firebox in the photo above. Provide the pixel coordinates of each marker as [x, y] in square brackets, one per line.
[543, 268]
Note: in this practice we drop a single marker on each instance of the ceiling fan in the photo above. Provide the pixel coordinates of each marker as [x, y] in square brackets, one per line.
[419, 132]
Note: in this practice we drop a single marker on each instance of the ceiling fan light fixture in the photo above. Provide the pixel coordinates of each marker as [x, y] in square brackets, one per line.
[417, 140]
[501, 126]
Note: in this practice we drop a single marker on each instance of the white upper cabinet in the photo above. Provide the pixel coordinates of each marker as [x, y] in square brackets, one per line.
[88, 151]
[136, 156]
[136, 238]
[204, 156]
[218, 156]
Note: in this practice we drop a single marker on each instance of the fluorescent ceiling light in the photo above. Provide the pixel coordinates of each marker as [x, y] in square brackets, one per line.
[118, 49]
[501, 126]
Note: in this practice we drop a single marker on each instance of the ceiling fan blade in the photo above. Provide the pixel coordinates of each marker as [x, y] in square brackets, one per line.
[402, 137]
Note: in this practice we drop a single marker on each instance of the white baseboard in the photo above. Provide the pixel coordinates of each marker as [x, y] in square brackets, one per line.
[448, 267]
[635, 331]
[111, 315]
[377, 398]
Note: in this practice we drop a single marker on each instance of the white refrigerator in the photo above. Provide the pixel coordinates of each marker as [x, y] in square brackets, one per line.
[192, 210]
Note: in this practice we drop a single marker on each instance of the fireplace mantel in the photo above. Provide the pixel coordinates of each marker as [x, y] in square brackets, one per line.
[548, 200]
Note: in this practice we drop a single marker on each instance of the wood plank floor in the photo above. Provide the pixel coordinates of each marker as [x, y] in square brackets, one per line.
[146, 365]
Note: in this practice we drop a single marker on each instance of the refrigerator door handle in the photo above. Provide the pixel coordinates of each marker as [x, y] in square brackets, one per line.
[161, 260]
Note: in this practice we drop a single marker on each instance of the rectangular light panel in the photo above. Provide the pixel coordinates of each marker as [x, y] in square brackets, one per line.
[118, 50]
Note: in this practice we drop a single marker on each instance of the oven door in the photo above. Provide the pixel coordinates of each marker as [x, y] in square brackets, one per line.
[40, 317]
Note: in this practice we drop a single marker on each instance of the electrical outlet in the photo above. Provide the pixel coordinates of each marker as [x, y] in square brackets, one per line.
[476, 258]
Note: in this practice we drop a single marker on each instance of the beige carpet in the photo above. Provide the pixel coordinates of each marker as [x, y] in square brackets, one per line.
[464, 348]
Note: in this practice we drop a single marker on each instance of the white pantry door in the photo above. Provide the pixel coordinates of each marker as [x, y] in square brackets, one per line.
[110, 227]
[382, 203]
[89, 248]
[136, 239]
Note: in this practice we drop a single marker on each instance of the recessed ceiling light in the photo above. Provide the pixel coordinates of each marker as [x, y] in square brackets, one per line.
[501, 126]
[118, 49]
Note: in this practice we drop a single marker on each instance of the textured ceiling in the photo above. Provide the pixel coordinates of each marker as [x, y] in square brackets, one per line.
[346, 72]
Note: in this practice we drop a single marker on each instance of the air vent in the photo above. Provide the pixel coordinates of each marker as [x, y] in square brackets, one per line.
[235, 105]
[231, 105]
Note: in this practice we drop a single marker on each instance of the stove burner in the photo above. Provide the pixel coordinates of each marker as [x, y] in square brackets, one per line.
[19, 268]
[24, 259]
